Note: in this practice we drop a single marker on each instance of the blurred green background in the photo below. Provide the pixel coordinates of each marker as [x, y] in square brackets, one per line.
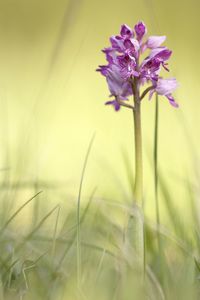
[52, 100]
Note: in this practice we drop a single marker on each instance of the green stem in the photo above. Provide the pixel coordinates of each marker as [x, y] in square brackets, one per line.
[78, 233]
[156, 162]
[138, 188]
[156, 176]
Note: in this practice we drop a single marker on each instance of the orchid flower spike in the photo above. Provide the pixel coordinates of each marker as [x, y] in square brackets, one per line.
[124, 67]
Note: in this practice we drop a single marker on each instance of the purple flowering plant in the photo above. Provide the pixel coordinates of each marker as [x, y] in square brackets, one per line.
[125, 73]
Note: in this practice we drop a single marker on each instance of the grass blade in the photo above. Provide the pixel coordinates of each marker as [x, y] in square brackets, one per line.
[78, 212]
[18, 211]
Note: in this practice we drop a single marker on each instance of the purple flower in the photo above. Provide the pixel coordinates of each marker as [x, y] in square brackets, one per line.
[155, 41]
[117, 85]
[119, 88]
[123, 70]
[165, 87]
[127, 66]
[161, 53]
[140, 30]
[131, 45]
[126, 31]
[117, 43]
[151, 65]
[115, 104]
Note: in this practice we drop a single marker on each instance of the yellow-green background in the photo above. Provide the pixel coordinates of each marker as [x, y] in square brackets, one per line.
[52, 100]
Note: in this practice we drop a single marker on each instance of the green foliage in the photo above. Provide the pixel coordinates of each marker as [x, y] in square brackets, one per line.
[40, 261]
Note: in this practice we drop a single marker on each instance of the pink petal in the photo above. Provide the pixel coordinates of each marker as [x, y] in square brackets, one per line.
[155, 41]
[166, 86]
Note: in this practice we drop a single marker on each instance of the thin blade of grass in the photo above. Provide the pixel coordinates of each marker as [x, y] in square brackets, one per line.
[100, 265]
[156, 283]
[41, 223]
[31, 234]
[156, 164]
[73, 228]
[161, 258]
[171, 209]
[78, 211]
[17, 212]
[84, 244]
[82, 218]
[55, 234]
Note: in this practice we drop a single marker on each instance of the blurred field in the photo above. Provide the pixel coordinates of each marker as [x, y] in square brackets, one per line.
[52, 101]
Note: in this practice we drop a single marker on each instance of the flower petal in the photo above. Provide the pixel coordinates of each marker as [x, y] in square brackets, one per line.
[161, 53]
[155, 41]
[114, 103]
[172, 101]
[140, 30]
[126, 31]
[117, 43]
[166, 86]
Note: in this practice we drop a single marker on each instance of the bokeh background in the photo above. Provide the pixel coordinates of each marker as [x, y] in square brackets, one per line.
[52, 100]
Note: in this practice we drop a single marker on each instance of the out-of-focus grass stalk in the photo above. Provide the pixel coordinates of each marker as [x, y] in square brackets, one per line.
[156, 170]
[17, 212]
[53, 250]
[78, 237]
[157, 206]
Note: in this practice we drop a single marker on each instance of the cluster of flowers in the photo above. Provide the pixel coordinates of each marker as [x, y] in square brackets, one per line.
[124, 66]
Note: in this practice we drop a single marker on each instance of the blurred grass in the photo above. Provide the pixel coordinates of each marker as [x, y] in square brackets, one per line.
[39, 262]
[51, 101]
